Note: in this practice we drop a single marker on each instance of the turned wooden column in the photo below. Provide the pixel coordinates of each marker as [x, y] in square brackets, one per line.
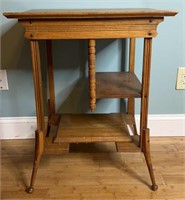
[92, 74]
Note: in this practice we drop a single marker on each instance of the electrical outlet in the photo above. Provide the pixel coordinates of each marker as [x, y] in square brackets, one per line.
[3, 80]
[180, 85]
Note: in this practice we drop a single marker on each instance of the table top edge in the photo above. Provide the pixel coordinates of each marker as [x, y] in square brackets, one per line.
[86, 13]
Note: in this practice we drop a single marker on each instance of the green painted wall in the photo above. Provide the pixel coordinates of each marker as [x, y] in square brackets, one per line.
[70, 59]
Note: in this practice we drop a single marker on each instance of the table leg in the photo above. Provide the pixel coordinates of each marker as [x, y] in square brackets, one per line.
[51, 101]
[146, 151]
[145, 86]
[40, 132]
[131, 101]
[39, 147]
[144, 131]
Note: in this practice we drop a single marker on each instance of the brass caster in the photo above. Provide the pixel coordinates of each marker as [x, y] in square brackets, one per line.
[29, 190]
[154, 187]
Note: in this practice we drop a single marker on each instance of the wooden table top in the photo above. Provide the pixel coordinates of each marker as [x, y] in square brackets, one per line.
[88, 13]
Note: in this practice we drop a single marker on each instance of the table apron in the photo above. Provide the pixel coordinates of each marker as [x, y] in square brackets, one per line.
[90, 28]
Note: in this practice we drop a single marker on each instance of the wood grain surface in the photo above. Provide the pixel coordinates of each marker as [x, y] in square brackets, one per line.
[101, 174]
[89, 13]
[92, 128]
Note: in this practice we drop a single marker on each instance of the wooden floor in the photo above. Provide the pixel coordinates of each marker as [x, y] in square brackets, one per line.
[96, 172]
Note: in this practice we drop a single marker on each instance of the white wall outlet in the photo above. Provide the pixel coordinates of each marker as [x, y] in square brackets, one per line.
[3, 80]
[180, 85]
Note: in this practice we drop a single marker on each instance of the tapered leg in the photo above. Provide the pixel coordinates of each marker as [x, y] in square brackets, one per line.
[144, 131]
[39, 148]
[146, 151]
[40, 132]
[145, 86]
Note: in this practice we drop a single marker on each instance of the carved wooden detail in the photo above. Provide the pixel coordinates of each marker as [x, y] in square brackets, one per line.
[92, 74]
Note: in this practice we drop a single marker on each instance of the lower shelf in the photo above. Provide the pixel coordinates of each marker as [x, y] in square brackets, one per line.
[85, 128]
[50, 146]
[53, 148]
[67, 130]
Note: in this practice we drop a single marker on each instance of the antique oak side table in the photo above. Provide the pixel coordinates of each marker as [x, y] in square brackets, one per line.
[91, 25]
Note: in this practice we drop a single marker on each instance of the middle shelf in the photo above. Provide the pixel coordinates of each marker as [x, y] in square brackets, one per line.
[117, 85]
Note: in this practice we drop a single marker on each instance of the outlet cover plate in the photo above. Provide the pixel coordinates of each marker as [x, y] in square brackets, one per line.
[3, 80]
[180, 85]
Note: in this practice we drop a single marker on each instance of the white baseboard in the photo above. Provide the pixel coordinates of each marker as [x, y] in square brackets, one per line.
[160, 125]
[165, 125]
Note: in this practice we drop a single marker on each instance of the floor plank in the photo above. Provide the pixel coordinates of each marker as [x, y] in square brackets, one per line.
[94, 172]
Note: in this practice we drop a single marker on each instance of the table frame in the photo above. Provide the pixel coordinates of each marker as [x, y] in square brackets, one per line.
[52, 25]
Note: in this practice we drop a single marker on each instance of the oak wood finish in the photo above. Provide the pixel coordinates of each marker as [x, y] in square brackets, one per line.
[40, 132]
[146, 151]
[91, 25]
[52, 109]
[82, 128]
[77, 24]
[145, 86]
[117, 85]
[92, 128]
[82, 29]
[54, 148]
[39, 149]
[37, 78]
[92, 74]
[51, 100]
[131, 101]
[89, 13]
[131, 108]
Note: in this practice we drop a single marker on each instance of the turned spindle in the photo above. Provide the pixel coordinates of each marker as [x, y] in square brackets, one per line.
[92, 74]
